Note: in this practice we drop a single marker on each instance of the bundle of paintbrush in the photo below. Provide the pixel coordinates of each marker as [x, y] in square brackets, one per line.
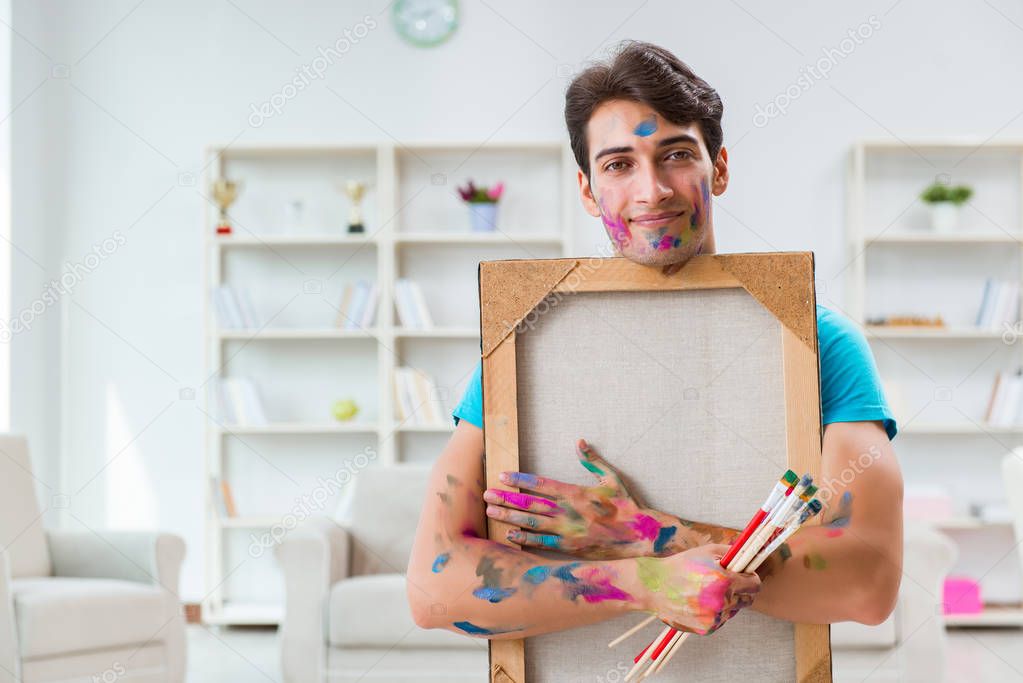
[790, 503]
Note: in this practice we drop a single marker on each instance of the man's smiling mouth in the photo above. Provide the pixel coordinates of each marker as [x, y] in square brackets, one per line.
[653, 220]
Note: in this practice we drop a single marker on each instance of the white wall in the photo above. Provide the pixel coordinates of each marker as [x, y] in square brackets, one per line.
[151, 83]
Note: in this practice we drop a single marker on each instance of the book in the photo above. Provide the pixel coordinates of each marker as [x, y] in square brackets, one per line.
[240, 403]
[354, 314]
[411, 305]
[228, 499]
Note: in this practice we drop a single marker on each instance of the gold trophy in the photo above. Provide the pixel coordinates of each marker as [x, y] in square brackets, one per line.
[355, 190]
[225, 192]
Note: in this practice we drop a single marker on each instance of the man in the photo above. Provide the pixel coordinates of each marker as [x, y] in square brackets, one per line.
[646, 134]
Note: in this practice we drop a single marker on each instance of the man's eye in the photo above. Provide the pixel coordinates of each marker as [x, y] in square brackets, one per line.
[611, 166]
[681, 151]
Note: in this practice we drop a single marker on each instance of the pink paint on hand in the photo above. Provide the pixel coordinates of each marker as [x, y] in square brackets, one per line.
[598, 587]
[524, 500]
[646, 526]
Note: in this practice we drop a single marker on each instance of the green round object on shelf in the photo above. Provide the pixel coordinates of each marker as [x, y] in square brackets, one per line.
[344, 410]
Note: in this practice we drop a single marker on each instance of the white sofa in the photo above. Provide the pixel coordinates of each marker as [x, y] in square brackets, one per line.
[82, 606]
[346, 610]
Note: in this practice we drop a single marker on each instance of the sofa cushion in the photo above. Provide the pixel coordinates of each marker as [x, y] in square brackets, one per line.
[59, 615]
[373, 611]
[380, 510]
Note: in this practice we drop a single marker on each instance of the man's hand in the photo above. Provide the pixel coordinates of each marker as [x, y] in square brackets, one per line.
[592, 522]
[691, 591]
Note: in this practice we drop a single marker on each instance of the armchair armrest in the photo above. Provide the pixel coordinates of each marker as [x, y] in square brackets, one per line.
[313, 558]
[10, 661]
[132, 556]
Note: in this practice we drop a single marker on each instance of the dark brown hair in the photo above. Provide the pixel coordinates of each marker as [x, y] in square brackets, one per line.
[647, 73]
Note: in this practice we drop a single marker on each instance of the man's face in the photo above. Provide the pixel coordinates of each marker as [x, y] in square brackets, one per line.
[650, 183]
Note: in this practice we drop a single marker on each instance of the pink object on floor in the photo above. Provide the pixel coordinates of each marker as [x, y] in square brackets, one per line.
[961, 596]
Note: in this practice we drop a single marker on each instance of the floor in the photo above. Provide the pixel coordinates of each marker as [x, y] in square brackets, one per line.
[222, 655]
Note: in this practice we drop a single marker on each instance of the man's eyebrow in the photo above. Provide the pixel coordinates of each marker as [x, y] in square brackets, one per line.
[685, 137]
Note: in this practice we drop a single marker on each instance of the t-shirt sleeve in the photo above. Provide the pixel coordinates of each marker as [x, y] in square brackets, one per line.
[850, 383]
[470, 408]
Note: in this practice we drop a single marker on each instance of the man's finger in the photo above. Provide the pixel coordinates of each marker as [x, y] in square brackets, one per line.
[521, 501]
[592, 461]
[522, 519]
[551, 487]
[528, 538]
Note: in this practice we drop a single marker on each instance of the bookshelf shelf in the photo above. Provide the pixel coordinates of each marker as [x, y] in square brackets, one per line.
[909, 332]
[325, 240]
[297, 428]
[247, 522]
[964, 238]
[957, 429]
[439, 333]
[498, 237]
[991, 617]
[244, 614]
[296, 333]
[413, 233]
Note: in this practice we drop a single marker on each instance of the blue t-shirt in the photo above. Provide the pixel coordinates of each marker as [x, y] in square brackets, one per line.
[850, 384]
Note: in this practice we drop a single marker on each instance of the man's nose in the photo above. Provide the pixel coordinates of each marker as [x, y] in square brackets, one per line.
[651, 189]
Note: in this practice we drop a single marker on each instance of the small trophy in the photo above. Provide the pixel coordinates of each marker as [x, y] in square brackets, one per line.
[224, 192]
[355, 190]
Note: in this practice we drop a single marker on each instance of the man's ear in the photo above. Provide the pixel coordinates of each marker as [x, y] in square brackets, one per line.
[720, 183]
[586, 194]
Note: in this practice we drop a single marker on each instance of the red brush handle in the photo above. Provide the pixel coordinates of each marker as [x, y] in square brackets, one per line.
[636, 658]
[743, 537]
[663, 644]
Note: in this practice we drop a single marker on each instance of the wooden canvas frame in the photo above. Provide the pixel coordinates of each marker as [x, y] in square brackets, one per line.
[782, 282]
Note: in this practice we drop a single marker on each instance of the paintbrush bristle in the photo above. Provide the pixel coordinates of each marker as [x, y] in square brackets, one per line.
[789, 478]
[812, 508]
[806, 480]
[808, 493]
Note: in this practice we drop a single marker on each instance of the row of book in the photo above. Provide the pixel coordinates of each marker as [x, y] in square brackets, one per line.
[1003, 406]
[234, 310]
[1000, 304]
[238, 402]
[358, 309]
[223, 499]
[417, 401]
[411, 305]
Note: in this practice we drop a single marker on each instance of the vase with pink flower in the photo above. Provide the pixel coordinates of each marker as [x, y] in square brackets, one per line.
[482, 202]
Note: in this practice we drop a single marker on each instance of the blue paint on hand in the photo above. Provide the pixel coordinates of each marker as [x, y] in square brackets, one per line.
[493, 594]
[663, 536]
[440, 562]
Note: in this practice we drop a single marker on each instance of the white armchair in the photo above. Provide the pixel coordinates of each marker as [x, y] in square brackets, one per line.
[82, 606]
[346, 611]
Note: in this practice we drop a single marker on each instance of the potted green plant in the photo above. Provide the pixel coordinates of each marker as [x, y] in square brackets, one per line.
[946, 203]
[482, 202]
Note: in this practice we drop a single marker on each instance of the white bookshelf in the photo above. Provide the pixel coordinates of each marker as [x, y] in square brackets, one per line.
[416, 227]
[897, 266]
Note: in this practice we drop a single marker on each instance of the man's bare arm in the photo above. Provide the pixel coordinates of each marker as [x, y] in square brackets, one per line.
[459, 580]
[849, 569]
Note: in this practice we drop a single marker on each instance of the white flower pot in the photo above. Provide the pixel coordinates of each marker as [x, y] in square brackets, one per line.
[945, 216]
[483, 216]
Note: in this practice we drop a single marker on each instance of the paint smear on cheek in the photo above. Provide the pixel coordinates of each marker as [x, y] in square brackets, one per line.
[524, 500]
[616, 227]
[646, 527]
[834, 533]
[700, 210]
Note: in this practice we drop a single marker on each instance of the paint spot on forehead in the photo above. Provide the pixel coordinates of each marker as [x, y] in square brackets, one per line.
[647, 126]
